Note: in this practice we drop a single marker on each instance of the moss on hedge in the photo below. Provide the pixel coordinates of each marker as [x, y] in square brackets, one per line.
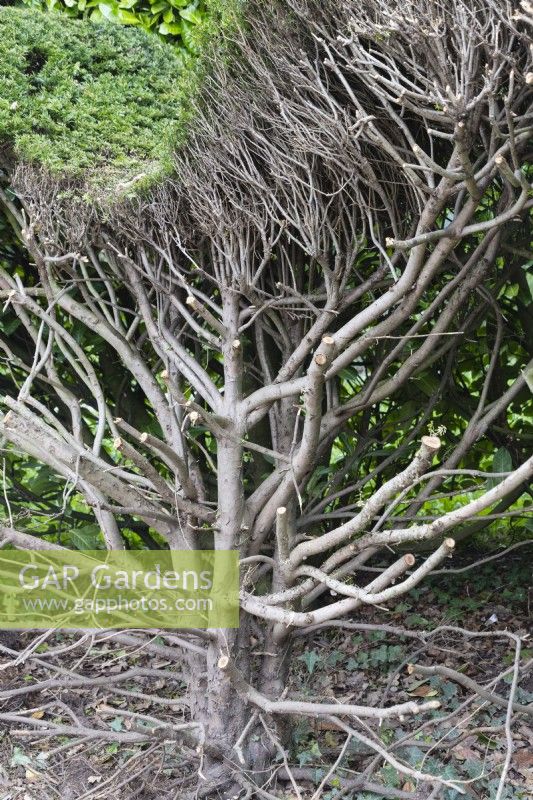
[91, 102]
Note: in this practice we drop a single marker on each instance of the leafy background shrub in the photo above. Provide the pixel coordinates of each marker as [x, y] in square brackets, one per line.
[176, 21]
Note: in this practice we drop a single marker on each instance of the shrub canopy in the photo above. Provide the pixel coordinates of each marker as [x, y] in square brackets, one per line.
[95, 102]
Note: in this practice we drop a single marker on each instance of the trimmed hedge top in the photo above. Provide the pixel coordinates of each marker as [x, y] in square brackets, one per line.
[98, 103]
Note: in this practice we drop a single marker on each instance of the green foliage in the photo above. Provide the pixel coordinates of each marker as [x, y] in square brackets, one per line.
[502, 461]
[380, 657]
[310, 658]
[176, 21]
[85, 99]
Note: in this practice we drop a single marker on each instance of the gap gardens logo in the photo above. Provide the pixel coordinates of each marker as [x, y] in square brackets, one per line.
[118, 589]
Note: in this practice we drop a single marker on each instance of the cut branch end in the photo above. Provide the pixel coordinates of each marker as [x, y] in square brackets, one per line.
[432, 443]
[449, 544]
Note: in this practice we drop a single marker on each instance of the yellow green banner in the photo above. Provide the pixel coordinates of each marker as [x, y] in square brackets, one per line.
[119, 589]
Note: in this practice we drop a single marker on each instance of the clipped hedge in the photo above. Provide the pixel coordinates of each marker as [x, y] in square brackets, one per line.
[177, 21]
[91, 100]
[99, 107]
